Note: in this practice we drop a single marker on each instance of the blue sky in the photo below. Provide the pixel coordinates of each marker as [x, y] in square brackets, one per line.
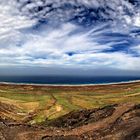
[69, 36]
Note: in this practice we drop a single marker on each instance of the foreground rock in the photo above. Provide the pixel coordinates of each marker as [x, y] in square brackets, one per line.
[115, 122]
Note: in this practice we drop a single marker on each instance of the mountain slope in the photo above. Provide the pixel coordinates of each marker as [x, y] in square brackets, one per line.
[123, 123]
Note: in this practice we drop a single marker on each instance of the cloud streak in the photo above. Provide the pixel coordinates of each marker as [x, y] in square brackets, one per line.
[48, 33]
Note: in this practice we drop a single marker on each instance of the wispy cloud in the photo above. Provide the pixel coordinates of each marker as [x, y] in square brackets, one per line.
[112, 44]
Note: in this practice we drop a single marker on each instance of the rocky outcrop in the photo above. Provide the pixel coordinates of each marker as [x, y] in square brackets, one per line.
[115, 122]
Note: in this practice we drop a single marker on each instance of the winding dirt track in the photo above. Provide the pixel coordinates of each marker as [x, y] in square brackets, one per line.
[53, 134]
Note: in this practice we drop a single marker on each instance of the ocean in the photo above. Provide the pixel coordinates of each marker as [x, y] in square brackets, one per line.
[67, 80]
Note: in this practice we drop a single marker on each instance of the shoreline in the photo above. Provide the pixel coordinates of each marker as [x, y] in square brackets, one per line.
[70, 85]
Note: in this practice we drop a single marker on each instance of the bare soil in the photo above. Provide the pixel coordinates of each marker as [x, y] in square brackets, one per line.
[115, 122]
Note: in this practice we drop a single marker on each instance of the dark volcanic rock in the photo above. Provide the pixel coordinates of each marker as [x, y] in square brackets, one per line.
[82, 117]
[115, 122]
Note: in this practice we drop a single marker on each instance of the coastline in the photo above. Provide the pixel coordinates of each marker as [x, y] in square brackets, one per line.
[70, 85]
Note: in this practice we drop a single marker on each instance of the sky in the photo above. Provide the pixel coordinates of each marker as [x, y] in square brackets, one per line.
[72, 37]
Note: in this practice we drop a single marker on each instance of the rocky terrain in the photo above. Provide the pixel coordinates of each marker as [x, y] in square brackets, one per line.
[114, 122]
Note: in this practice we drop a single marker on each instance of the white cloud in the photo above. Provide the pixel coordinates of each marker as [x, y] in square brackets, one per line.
[64, 45]
[52, 48]
[11, 21]
[137, 19]
[113, 9]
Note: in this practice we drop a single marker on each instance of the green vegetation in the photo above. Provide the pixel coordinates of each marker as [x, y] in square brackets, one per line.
[36, 104]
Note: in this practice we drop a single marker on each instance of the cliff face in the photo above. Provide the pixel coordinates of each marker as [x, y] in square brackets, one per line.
[115, 122]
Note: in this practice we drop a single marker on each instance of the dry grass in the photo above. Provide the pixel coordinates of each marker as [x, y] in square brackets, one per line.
[44, 102]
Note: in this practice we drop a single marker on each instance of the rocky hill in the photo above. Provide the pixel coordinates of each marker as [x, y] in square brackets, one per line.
[114, 122]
